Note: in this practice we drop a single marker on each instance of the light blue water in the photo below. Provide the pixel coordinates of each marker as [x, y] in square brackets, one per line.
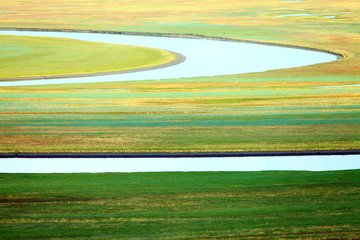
[330, 15]
[296, 15]
[203, 57]
[339, 86]
[68, 165]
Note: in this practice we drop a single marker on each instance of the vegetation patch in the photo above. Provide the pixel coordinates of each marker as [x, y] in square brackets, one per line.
[203, 205]
[286, 109]
[41, 57]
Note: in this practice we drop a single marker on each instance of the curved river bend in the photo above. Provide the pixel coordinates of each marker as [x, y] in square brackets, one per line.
[203, 57]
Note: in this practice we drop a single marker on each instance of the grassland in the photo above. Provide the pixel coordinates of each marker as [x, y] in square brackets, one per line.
[177, 115]
[33, 57]
[232, 205]
[289, 109]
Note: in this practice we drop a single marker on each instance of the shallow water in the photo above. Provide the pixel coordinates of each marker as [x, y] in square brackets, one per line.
[296, 15]
[339, 86]
[204, 57]
[329, 15]
[68, 165]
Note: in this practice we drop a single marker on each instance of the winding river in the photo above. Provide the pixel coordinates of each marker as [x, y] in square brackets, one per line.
[204, 57]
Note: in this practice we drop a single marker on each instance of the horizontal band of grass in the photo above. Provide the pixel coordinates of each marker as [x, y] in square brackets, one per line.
[27, 57]
[208, 114]
[207, 205]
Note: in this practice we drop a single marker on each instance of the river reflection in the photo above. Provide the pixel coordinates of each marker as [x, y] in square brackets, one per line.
[94, 165]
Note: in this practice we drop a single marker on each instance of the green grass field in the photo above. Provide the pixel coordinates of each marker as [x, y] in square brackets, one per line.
[228, 205]
[23, 57]
[288, 109]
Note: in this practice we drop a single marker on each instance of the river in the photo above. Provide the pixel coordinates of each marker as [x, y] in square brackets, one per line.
[94, 165]
[204, 57]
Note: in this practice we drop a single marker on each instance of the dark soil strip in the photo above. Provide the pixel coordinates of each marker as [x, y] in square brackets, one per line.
[178, 155]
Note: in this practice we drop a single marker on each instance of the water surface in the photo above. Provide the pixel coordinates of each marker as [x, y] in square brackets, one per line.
[93, 165]
[339, 86]
[296, 15]
[204, 57]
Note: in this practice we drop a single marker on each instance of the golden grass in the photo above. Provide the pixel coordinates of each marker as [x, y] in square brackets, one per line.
[178, 139]
[283, 90]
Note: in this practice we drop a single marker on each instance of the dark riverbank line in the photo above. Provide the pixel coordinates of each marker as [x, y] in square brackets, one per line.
[176, 35]
[179, 155]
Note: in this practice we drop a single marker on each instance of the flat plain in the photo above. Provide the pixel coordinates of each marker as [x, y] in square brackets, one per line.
[207, 205]
[306, 108]
[289, 109]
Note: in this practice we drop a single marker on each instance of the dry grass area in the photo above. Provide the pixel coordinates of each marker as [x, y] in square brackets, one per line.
[289, 109]
[293, 102]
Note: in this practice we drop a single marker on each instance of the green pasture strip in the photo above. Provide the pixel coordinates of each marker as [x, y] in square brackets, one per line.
[179, 120]
[202, 205]
[22, 56]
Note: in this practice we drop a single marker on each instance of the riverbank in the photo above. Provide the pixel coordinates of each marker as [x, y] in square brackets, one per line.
[177, 35]
[180, 58]
[204, 57]
[91, 57]
[179, 155]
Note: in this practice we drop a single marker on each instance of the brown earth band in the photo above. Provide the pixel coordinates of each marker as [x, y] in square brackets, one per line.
[180, 155]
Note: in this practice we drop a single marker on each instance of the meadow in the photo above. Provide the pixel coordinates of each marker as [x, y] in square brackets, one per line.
[50, 57]
[306, 108]
[188, 205]
[289, 109]
[176, 115]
